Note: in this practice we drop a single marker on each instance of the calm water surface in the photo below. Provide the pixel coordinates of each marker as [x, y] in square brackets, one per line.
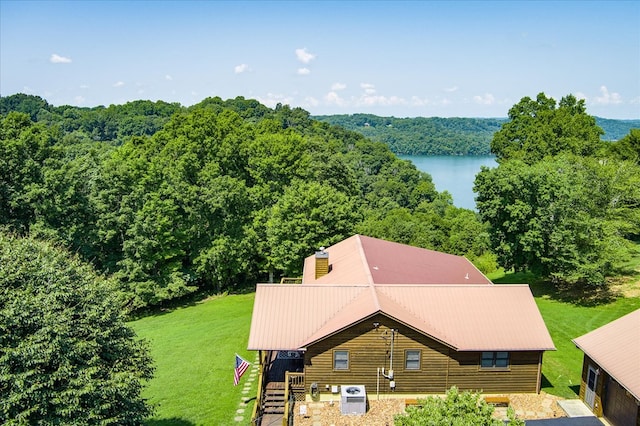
[454, 174]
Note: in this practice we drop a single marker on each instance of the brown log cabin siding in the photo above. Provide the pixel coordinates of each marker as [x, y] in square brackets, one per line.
[440, 366]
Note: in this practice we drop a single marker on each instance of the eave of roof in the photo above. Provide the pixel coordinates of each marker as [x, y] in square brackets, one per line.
[615, 347]
[464, 317]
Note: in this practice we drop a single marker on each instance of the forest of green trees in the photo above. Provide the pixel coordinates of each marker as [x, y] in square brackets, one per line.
[110, 212]
[170, 201]
[445, 136]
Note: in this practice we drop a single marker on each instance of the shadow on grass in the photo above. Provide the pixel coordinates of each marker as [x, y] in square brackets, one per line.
[191, 299]
[545, 383]
[575, 389]
[169, 422]
[549, 387]
[576, 295]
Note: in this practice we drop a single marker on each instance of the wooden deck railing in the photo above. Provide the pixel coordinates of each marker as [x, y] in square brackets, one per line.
[293, 384]
[264, 356]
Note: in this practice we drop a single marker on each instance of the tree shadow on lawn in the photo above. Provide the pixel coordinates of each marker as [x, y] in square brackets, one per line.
[569, 294]
[191, 299]
[546, 384]
[169, 422]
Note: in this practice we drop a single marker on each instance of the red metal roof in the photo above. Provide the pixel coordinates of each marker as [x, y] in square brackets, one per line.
[464, 317]
[361, 259]
[615, 347]
[440, 295]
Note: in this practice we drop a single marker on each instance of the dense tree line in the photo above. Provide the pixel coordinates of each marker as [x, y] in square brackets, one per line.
[446, 136]
[562, 203]
[224, 194]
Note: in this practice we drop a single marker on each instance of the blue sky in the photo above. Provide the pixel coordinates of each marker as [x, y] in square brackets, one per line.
[403, 59]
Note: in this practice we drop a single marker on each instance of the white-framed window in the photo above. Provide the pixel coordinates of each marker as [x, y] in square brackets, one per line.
[494, 360]
[340, 360]
[412, 359]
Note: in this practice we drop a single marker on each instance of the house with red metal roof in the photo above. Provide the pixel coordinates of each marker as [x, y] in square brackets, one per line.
[610, 383]
[396, 319]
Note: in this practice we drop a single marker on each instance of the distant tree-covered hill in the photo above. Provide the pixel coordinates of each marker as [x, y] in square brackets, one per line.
[614, 130]
[445, 136]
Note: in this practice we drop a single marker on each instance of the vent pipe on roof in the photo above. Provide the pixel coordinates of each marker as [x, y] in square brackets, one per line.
[322, 263]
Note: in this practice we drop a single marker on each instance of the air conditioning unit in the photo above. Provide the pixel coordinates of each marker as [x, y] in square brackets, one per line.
[353, 399]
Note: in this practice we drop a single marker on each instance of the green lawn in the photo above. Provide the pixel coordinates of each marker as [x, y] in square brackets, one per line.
[193, 348]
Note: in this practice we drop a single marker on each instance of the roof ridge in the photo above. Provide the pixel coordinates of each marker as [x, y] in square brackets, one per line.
[363, 257]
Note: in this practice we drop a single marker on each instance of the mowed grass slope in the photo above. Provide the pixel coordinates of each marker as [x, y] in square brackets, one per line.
[193, 349]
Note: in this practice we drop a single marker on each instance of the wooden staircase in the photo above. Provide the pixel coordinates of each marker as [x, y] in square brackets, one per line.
[273, 404]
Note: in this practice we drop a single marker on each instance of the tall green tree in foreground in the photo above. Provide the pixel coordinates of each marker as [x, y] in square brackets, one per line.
[66, 355]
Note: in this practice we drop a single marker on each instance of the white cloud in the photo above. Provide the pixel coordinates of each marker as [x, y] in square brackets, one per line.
[79, 100]
[168, 77]
[607, 98]
[580, 96]
[303, 71]
[332, 98]
[486, 99]
[272, 99]
[57, 59]
[451, 89]
[368, 88]
[311, 101]
[338, 86]
[378, 100]
[304, 56]
[416, 101]
[239, 69]
[118, 84]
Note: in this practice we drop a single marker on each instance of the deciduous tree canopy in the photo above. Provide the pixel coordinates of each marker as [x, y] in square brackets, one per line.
[66, 355]
[224, 194]
[557, 205]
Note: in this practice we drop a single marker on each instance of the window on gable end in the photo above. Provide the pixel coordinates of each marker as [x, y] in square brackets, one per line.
[340, 360]
[412, 359]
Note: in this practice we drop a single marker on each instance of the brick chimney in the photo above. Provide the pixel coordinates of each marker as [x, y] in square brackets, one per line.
[322, 263]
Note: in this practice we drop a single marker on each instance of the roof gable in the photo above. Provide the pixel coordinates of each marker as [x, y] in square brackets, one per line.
[615, 347]
[464, 317]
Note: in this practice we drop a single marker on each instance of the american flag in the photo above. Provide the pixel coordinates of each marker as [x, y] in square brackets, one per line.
[241, 367]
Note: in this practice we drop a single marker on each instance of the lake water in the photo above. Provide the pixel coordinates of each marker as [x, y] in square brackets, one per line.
[453, 173]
